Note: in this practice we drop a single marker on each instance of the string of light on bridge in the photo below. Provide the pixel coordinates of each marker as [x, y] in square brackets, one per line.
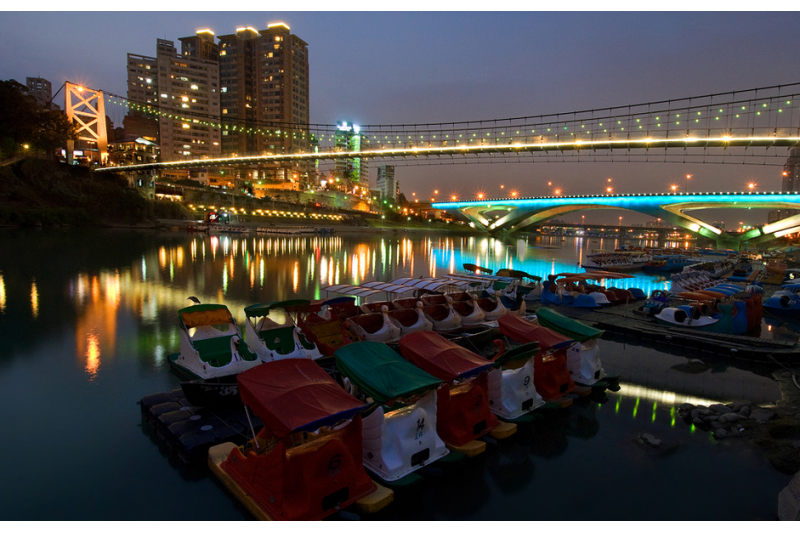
[738, 113]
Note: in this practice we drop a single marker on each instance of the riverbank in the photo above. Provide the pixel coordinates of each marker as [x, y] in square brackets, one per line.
[364, 227]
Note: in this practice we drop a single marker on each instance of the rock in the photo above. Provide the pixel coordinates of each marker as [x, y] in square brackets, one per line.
[762, 415]
[716, 425]
[650, 440]
[697, 421]
[784, 428]
[712, 418]
[789, 500]
[784, 459]
[742, 417]
[729, 418]
[706, 412]
[737, 406]
[721, 434]
[686, 407]
[719, 408]
[695, 413]
[745, 410]
[696, 362]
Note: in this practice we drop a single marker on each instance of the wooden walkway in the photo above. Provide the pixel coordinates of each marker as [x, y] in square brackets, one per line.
[621, 320]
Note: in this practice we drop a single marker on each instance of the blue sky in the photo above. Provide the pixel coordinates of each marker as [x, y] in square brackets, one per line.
[406, 67]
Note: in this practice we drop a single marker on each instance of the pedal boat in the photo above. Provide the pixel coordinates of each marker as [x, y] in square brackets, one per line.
[555, 293]
[464, 304]
[399, 435]
[377, 327]
[462, 405]
[442, 316]
[491, 307]
[785, 301]
[551, 377]
[305, 463]
[273, 341]
[322, 325]
[212, 354]
[583, 359]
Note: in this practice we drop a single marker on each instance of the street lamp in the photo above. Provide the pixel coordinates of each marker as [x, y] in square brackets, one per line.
[674, 188]
[751, 186]
[688, 177]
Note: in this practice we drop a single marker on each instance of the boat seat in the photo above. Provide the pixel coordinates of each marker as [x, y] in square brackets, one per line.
[281, 340]
[406, 317]
[215, 351]
[371, 323]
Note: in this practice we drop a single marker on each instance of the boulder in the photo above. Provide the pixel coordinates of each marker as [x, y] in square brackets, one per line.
[650, 440]
[712, 418]
[745, 410]
[719, 408]
[697, 421]
[729, 418]
[783, 428]
[721, 434]
[762, 415]
[738, 406]
[716, 425]
[695, 413]
[789, 500]
[686, 407]
[784, 459]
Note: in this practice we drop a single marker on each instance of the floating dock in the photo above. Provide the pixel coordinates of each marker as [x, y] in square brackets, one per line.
[189, 430]
[622, 321]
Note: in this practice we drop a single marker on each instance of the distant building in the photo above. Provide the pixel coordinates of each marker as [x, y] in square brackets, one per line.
[386, 183]
[42, 91]
[182, 91]
[247, 94]
[264, 87]
[354, 170]
[790, 182]
[132, 151]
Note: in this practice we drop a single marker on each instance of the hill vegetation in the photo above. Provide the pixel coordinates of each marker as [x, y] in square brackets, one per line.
[43, 192]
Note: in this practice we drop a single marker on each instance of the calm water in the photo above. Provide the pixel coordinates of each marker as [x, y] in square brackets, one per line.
[87, 319]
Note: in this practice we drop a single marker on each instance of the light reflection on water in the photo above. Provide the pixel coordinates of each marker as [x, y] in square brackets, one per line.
[102, 333]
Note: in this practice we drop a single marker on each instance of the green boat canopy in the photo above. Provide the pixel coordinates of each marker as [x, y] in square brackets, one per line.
[381, 373]
[259, 310]
[572, 328]
[524, 351]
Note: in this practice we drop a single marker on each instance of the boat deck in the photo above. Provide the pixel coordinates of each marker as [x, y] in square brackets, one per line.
[623, 321]
[190, 431]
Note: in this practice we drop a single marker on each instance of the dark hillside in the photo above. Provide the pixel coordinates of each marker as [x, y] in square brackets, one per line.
[37, 191]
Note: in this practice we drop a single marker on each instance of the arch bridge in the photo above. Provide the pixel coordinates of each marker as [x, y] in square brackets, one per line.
[514, 214]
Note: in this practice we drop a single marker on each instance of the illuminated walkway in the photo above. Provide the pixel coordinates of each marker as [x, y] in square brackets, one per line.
[721, 128]
[515, 214]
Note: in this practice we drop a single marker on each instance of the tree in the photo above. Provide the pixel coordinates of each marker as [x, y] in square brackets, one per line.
[23, 122]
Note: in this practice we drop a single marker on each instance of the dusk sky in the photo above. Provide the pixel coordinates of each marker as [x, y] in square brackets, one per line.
[407, 67]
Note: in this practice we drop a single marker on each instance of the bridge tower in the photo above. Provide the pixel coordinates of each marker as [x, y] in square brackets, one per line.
[86, 108]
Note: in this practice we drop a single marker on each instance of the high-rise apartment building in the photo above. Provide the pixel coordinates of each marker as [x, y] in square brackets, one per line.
[386, 182]
[184, 89]
[142, 90]
[255, 83]
[264, 93]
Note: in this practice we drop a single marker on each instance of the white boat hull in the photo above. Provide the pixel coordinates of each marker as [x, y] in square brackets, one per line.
[512, 393]
[395, 443]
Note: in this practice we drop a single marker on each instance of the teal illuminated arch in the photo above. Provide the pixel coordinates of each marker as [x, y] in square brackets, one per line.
[671, 208]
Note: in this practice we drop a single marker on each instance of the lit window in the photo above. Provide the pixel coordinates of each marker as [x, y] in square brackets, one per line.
[194, 87]
[186, 126]
[223, 90]
[224, 111]
[163, 95]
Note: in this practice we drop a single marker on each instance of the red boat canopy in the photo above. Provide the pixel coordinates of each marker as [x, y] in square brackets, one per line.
[521, 330]
[295, 395]
[441, 358]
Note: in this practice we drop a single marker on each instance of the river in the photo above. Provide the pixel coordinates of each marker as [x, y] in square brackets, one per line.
[88, 318]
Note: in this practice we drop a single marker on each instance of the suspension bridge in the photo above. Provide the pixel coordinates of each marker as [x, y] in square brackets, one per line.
[754, 126]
